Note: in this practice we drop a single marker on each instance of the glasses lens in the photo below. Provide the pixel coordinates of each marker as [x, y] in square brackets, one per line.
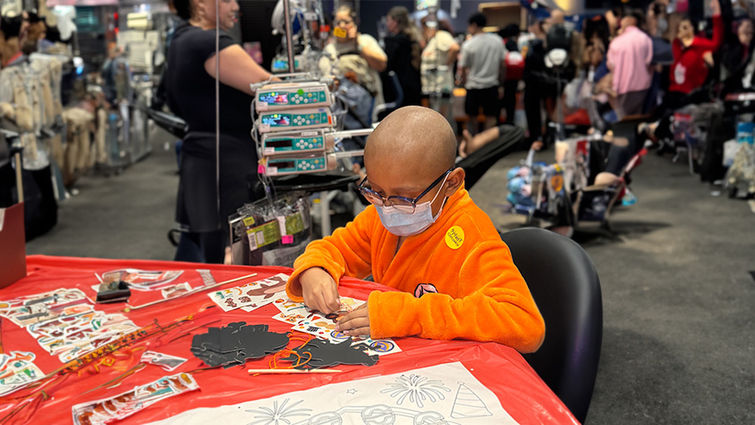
[403, 205]
[371, 196]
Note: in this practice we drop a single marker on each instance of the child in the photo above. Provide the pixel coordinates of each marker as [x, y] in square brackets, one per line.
[424, 236]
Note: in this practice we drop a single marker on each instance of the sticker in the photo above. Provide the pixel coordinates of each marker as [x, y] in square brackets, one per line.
[557, 182]
[339, 32]
[455, 237]
[425, 288]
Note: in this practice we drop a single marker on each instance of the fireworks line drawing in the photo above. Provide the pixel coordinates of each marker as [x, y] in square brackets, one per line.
[279, 414]
[416, 389]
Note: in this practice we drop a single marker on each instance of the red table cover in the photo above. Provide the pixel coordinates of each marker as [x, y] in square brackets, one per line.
[501, 369]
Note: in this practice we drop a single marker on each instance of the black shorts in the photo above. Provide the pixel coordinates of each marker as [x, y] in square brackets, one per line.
[487, 99]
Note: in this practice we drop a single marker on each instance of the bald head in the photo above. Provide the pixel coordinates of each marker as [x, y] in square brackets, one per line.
[414, 137]
[557, 17]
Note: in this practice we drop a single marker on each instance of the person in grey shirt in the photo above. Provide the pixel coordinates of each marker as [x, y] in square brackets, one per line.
[483, 68]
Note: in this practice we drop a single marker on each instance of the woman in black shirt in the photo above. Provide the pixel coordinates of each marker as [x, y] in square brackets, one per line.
[201, 210]
[404, 55]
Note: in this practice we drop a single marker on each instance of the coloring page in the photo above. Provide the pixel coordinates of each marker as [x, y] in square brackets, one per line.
[442, 394]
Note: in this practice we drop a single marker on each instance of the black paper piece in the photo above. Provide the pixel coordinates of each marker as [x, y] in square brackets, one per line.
[236, 343]
[328, 354]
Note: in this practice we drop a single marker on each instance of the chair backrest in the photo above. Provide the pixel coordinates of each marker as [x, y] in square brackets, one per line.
[566, 288]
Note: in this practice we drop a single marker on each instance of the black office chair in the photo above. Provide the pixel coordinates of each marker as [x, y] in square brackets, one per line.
[566, 288]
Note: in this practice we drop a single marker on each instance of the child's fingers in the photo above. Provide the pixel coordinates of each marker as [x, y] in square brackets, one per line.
[359, 331]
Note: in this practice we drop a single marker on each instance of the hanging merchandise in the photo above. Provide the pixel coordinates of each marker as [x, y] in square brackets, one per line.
[265, 233]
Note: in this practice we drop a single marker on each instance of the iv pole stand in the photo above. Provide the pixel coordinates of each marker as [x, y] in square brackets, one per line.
[289, 41]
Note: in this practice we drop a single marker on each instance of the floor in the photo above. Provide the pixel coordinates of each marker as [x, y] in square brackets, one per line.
[678, 292]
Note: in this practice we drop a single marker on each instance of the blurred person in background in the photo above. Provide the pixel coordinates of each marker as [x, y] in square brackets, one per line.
[539, 91]
[514, 70]
[353, 55]
[736, 55]
[693, 59]
[629, 59]
[483, 70]
[202, 211]
[403, 49]
[440, 52]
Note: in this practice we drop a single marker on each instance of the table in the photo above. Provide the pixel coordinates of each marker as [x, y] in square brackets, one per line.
[500, 369]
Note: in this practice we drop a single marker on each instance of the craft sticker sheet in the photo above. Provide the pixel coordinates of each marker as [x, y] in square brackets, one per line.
[252, 295]
[314, 323]
[17, 370]
[35, 308]
[113, 409]
[71, 336]
[165, 361]
[142, 280]
[442, 394]
[175, 290]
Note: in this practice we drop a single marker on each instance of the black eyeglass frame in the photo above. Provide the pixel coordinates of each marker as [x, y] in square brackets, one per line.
[367, 192]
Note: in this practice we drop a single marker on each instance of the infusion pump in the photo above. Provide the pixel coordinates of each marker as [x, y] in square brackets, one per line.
[282, 96]
[295, 128]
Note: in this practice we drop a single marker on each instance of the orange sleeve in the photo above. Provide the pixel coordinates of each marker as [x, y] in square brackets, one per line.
[345, 253]
[495, 305]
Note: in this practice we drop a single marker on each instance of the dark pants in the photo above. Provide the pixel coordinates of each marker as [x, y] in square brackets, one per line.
[485, 99]
[671, 102]
[509, 99]
[535, 92]
[631, 103]
[204, 247]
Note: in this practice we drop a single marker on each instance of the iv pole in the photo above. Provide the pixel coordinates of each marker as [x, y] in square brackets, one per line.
[289, 38]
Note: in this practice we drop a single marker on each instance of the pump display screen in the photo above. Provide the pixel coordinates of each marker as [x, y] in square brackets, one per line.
[282, 143]
[273, 98]
[283, 164]
[276, 120]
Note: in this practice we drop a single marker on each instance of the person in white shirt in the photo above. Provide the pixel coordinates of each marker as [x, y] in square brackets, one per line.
[483, 70]
[440, 53]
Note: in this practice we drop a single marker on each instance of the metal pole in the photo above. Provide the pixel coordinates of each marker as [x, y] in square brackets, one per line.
[19, 176]
[289, 42]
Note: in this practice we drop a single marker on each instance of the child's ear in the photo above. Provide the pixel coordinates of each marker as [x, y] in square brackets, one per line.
[455, 180]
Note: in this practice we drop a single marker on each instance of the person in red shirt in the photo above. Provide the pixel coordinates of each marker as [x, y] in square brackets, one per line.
[693, 55]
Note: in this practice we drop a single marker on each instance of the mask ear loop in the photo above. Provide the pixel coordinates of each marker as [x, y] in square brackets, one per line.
[435, 217]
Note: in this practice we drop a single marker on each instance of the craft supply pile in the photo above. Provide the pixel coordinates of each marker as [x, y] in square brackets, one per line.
[88, 330]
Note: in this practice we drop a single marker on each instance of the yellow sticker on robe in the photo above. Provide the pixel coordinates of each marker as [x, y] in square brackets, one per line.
[455, 237]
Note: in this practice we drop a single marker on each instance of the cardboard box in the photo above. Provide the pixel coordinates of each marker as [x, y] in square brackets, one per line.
[12, 245]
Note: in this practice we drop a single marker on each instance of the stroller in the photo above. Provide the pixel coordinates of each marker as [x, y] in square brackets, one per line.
[564, 193]
[691, 129]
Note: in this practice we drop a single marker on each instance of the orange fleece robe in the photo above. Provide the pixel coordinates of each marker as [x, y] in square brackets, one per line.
[480, 293]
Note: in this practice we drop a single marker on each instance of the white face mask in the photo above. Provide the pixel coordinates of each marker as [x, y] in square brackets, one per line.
[401, 223]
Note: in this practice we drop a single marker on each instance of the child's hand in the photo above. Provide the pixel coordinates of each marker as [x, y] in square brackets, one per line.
[355, 323]
[319, 290]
